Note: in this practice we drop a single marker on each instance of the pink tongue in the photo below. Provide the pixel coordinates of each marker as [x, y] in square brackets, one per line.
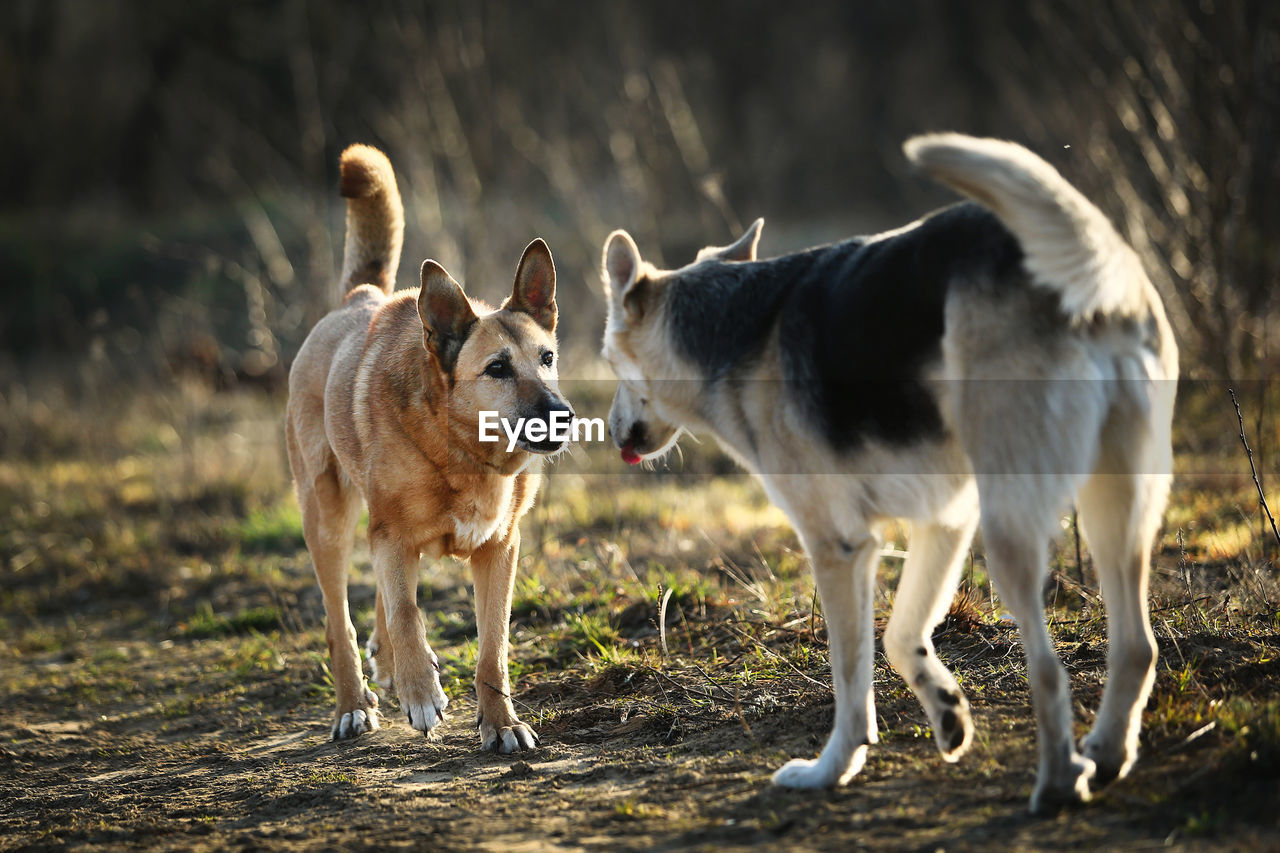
[629, 455]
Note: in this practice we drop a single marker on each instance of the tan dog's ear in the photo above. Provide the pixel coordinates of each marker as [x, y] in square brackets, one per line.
[535, 288]
[742, 249]
[622, 284]
[446, 314]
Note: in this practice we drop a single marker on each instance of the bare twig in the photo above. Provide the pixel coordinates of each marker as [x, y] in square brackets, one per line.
[662, 622]
[715, 683]
[745, 636]
[1252, 468]
[1075, 530]
[1194, 736]
[1183, 571]
[1180, 604]
[690, 691]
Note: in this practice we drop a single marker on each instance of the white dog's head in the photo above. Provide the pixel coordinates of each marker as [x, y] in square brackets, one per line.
[642, 419]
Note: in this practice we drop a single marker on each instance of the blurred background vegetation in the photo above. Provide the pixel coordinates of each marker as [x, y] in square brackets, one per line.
[169, 201]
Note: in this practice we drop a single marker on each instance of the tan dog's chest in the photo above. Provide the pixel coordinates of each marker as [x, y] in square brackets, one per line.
[478, 517]
[452, 521]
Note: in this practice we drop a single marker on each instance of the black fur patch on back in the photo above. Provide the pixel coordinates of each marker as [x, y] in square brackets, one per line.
[859, 321]
[721, 314]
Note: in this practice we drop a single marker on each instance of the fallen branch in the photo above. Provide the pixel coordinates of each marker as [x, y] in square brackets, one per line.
[1252, 468]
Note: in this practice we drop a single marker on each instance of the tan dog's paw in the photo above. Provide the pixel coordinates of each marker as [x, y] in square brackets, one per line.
[423, 699]
[356, 721]
[507, 738]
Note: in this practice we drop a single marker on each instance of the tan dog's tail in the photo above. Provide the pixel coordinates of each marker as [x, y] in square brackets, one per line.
[375, 219]
[1068, 244]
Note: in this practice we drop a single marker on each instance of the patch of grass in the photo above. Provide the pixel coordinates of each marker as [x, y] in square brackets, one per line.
[629, 809]
[205, 623]
[111, 655]
[1203, 823]
[597, 636]
[256, 653]
[329, 777]
[1253, 732]
[44, 638]
[273, 529]
[458, 666]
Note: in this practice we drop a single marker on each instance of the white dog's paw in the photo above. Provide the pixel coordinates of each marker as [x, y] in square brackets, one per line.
[953, 727]
[357, 721]
[821, 772]
[803, 773]
[1053, 795]
[506, 739]
[1111, 760]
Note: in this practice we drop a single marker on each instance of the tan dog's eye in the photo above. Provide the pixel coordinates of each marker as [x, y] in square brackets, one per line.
[497, 369]
[548, 357]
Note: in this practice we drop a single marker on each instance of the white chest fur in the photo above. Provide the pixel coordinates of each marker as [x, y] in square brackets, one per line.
[476, 521]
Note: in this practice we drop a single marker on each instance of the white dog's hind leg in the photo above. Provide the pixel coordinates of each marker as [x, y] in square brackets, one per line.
[928, 582]
[1017, 557]
[1032, 444]
[845, 575]
[1119, 515]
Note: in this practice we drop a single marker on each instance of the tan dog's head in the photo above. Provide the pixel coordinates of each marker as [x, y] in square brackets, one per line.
[500, 361]
[644, 417]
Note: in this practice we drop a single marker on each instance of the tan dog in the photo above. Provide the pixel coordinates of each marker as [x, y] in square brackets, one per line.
[384, 403]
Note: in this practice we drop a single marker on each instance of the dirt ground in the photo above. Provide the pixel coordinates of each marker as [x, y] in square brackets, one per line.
[166, 686]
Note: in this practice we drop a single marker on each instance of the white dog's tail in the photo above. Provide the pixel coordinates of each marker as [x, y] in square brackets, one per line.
[1067, 243]
[375, 219]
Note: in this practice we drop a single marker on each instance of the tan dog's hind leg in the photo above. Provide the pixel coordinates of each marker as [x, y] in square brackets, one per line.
[417, 671]
[329, 514]
[381, 651]
[494, 570]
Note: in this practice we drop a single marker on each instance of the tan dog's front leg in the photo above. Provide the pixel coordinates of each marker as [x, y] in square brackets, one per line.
[417, 678]
[494, 569]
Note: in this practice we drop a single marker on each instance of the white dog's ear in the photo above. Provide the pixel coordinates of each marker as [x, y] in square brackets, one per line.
[535, 288]
[446, 314]
[742, 249]
[621, 272]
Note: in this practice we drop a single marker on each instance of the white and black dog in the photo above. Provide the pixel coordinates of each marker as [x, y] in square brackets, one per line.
[989, 363]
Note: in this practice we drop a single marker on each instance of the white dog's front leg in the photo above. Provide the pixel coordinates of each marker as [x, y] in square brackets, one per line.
[845, 574]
